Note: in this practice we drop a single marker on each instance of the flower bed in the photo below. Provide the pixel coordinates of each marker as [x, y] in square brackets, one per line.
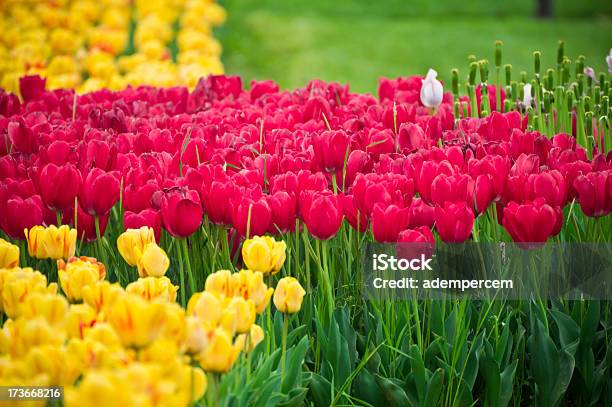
[162, 187]
[91, 45]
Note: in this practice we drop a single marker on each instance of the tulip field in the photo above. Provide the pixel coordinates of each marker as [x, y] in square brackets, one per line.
[173, 236]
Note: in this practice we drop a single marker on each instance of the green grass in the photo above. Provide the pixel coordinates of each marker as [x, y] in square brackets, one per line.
[294, 42]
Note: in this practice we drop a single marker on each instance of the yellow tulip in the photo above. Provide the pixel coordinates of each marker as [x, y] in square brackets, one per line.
[9, 254]
[153, 261]
[220, 354]
[137, 321]
[288, 295]
[23, 334]
[263, 253]
[17, 284]
[56, 363]
[100, 388]
[220, 284]
[205, 306]
[244, 313]
[78, 273]
[250, 285]
[101, 294]
[243, 343]
[192, 382]
[153, 288]
[196, 335]
[132, 242]
[174, 323]
[79, 318]
[51, 242]
[51, 307]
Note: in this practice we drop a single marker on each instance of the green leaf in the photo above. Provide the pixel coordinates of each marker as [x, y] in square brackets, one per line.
[393, 393]
[434, 388]
[295, 361]
[320, 390]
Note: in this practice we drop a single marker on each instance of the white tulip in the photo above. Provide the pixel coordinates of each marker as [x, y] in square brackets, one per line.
[527, 99]
[609, 61]
[431, 90]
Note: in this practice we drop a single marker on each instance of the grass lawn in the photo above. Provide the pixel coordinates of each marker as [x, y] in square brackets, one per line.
[292, 42]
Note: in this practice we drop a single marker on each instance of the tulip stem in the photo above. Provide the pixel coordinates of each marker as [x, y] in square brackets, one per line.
[101, 251]
[284, 347]
[58, 216]
[181, 275]
[192, 285]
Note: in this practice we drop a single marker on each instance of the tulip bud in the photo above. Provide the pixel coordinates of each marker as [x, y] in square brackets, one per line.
[245, 313]
[560, 52]
[9, 255]
[536, 62]
[472, 76]
[483, 65]
[431, 90]
[580, 65]
[288, 295]
[524, 76]
[498, 53]
[455, 82]
[244, 343]
[508, 70]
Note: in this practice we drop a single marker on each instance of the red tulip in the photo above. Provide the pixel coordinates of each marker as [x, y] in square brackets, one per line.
[356, 218]
[322, 213]
[419, 235]
[412, 137]
[595, 193]
[215, 201]
[549, 185]
[451, 188]
[454, 221]
[531, 222]
[181, 212]
[414, 243]
[31, 87]
[388, 221]
[21, 214]
[425, 175]
[137, 198]
[59, 185]
[257, 211]
[99, 192]
[147, 217]
[421, 214]
[284, 208]
[331, 149]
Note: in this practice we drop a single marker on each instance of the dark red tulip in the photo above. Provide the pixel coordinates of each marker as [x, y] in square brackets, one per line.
[85, 224]
[59, 185]
[181, 212]
[454, 221]
[20, 214]
[531, 222]
[388, 221]
[31, 87]
[147, 217]
[252, 216]
[358, 162]
[414, 243]
[322, 213]
[99, 192]
[595, 193]
[412, 137]
[485, 192]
